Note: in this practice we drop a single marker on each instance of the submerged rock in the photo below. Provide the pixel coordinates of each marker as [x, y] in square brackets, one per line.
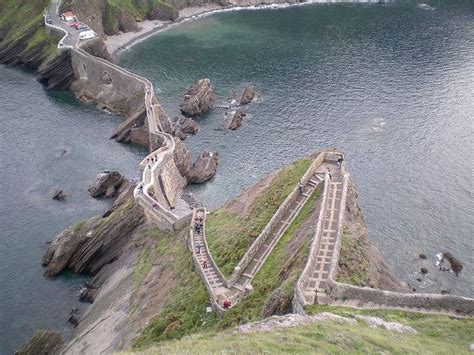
[106, 184]
[204, 168]
[424, 270]
[237, 119]
[247, 96]
[423, 256]
[198, 99]
[59, 195]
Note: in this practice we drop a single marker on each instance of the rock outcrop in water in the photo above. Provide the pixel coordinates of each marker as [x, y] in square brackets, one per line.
[449, 262]
[204, 168]
[44, 342]
[248, 95]
[237, 118]
[106, 184]
[185, 126]
[87, 246]
[198, 99]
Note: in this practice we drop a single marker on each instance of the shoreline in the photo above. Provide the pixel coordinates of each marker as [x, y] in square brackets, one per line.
[123, 41]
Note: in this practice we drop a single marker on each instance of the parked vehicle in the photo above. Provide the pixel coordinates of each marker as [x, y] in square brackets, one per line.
[87, 35]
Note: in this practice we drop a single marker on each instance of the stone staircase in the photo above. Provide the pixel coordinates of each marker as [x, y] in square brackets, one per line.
[281, 226]
[219, 288]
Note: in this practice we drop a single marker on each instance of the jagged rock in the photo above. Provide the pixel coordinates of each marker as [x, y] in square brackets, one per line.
[188, 125]
[279, 303]
[44, 342]
[59, 195]
[74, 317]
[424, 270]
[181, 157]
[237, 119]
[449, 262]
[198, 99]
[204, 168]
[56, 72]
[445, 292]
[247, 96]
[104, 182]
[98, 48]
[423, 256]
[163, 12]
[88, 246]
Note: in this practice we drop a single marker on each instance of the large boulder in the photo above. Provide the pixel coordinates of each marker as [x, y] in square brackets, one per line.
[185, 126]
[237, 119]
[449, 262]
[106, 184]
[204, 168]
[198, 99]
[248, 95]
[163, 12]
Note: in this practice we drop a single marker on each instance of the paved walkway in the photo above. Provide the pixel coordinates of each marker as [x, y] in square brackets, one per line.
[221, 289]
[316, 284]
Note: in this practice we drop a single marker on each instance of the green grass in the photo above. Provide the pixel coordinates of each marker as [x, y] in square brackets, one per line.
[76, 227]
[436, 335]
[142, 268]
[184, 312]
[229, 235]
[279, 271]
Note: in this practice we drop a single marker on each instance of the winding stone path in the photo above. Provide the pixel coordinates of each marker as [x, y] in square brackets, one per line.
[219, 288]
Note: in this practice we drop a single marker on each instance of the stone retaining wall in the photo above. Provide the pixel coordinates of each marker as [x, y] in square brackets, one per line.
[269, 228]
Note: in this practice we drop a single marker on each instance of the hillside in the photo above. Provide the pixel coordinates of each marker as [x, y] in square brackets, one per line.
[341, 331]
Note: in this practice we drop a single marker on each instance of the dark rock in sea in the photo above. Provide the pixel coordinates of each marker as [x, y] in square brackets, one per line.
[423, 256]
[59, 195]
[105, 184]
[419, 279]
[163, 12]
[74, 317]
[247, 96]
[188, 125]
[44, 342]
[204, 168]
[237, 119]
[185, 126]
[445, 292]
[424, 270]
[88, 246]
[198, 99]
[449, 262]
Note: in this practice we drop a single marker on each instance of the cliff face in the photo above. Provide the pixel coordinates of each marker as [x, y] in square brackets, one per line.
[23, 41]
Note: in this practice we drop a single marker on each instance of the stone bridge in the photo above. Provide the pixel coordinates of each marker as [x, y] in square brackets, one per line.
[161, 184]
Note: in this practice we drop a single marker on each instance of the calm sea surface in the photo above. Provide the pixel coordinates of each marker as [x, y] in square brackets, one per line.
[393, 85]
[37, 128]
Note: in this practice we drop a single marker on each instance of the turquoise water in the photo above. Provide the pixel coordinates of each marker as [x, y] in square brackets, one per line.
[391, 84]
[37, 126]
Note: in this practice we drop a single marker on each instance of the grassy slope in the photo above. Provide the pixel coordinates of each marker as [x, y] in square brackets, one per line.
[184, 313]
[229, 235]
[22, 21]
[436, 335]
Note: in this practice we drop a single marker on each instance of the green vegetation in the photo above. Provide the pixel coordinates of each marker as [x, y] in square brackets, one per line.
[184, 312]
[229, 234]
[436, 335]
[21, 24]
[76, 227]
[354, 259]
[142, 268]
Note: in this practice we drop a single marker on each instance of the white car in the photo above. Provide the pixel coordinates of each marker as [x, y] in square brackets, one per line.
[87, 35]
